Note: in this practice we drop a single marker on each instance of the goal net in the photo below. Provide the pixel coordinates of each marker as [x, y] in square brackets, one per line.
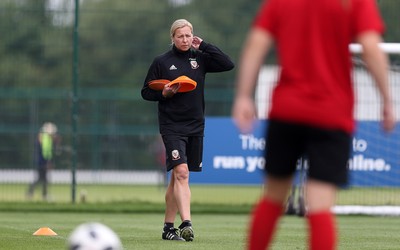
[374, 186]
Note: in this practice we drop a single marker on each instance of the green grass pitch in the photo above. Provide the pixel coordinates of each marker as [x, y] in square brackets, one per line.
[213, 231]
[220, 215]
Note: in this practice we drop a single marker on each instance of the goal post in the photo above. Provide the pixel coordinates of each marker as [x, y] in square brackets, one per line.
[390, 48]
[375, 179]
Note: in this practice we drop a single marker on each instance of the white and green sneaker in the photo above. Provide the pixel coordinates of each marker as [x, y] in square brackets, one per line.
[171, 234]
[186, 231]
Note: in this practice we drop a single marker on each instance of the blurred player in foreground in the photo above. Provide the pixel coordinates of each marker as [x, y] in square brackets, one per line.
[312, 104]
[181, 117]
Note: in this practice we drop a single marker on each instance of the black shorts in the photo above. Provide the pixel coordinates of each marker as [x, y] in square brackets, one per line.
[184, 149]
[326, 150]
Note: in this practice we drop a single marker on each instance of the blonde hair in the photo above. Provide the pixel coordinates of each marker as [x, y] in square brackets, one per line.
[180, 23]
[49, 128]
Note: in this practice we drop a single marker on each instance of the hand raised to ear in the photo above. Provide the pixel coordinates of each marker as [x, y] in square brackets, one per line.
[196, 42]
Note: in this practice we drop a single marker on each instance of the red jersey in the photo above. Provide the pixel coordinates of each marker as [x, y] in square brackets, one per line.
[312, 38]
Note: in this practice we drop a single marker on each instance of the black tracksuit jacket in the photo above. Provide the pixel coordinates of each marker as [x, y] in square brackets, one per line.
[183, 114]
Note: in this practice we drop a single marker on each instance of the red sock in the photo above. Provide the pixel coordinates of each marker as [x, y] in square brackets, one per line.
[322, 231]
[263, 222]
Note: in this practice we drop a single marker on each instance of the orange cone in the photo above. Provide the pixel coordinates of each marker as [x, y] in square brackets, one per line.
[45, 231]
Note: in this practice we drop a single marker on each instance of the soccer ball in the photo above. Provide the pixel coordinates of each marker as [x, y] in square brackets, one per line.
[93, 236]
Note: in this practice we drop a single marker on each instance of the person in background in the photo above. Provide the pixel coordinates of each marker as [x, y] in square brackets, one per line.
[44, 152]
[181, 117]
[312, 103]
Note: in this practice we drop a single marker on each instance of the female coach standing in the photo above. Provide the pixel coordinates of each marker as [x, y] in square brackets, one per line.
[312, 104]
[181, 117]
